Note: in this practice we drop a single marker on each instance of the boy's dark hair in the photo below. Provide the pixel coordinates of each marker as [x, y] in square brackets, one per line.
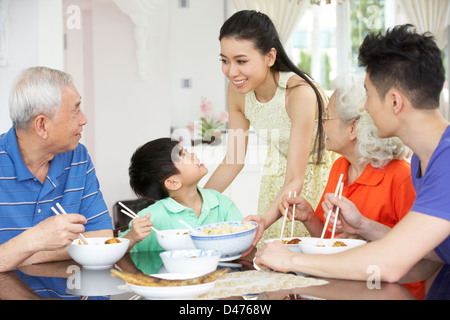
[258, 28]
[404, 59]
[150, 165]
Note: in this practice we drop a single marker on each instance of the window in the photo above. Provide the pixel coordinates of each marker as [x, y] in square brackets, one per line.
[327, 38]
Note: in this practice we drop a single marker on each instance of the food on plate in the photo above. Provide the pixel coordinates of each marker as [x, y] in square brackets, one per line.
[149, 281]
[335, 244]
[226, 228]
[339, 244]
[112, 240]
[292, 241]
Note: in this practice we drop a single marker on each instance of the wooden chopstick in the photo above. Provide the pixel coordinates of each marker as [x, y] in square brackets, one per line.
[129, 210]
[128, 214]
[337, 211]
[82, 238]
[284, 219]
[293, 216]
[329, 212]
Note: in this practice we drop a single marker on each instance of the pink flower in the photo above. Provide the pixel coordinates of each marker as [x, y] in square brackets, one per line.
[223, 116]
[206, 108]
[194, 125]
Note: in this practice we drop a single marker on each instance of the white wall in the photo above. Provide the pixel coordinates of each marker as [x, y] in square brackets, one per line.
[194, 54]
[124, 111]
[34, 37]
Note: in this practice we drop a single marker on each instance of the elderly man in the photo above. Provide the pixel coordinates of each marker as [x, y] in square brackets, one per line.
[42, 163]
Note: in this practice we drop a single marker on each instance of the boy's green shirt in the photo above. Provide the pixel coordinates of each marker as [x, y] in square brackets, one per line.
[166, 213]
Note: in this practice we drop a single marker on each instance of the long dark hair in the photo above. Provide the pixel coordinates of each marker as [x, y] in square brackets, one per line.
[258, 28]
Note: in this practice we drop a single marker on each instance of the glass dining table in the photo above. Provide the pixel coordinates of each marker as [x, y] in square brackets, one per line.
[67, 280]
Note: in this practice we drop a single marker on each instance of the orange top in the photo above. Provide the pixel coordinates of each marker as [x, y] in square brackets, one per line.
[383, 195]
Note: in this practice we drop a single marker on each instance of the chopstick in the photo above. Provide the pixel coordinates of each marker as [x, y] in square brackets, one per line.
[284, 219]
[128, 214]
[131, 212]
[133, 215]
[82, 238]
[329, 212]
[293, 216]
[337, 211]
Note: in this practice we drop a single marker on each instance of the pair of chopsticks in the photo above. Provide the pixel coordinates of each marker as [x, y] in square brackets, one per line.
[82, 238]
[338, 190]
[133, 215]
[285, 215]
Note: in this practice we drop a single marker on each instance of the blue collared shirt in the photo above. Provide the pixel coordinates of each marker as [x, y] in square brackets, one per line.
[25, 201]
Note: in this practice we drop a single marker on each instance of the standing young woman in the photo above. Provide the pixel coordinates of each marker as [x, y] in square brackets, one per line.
[284, 106]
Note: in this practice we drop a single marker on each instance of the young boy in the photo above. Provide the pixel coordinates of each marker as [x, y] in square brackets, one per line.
[163, 171]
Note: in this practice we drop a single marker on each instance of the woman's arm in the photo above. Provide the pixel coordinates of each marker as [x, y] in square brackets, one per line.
[391, 257]
[237, 141]
[301, 105]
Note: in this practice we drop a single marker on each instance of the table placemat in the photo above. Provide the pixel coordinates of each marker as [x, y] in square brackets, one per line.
[256, 281]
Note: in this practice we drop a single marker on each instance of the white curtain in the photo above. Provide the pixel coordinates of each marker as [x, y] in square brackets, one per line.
[285, 14]
[428, 16]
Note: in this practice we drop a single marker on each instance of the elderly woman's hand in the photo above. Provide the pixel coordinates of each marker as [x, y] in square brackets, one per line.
[350, 219]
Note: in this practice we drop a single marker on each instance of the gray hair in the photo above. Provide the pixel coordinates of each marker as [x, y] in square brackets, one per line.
[37, 90]
[350, 100]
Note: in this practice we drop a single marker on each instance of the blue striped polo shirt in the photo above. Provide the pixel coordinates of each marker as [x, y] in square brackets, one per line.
[25, 201]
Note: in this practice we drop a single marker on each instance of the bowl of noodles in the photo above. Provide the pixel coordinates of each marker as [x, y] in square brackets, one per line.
[328, 246]
[230, 238]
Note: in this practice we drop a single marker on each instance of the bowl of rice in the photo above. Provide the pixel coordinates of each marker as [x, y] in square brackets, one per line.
[230, 238]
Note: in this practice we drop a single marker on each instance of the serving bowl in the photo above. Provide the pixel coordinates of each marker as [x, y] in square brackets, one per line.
[293, 247]
[312, 245]
[230, 238]
[196, 261]
[175, 239]
[97, 255]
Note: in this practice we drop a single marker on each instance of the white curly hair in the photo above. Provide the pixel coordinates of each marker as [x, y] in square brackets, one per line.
[350, 100]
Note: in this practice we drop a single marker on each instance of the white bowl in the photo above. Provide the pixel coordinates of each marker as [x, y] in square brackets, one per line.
[175, 239]
[195, 261]
[310, 245]
[96, 254]
[231, 245]
[292, 247]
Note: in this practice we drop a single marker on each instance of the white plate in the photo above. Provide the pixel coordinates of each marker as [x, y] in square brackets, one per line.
[230, 258]
[181, 292]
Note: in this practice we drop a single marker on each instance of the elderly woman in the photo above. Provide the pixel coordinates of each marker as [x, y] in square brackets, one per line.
[376, 176]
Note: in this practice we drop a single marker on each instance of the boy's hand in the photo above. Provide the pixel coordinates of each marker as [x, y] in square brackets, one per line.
[140, 229]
